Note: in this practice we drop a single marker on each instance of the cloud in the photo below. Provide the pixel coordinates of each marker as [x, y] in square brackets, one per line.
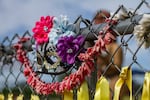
[24, 13]
[18, 14]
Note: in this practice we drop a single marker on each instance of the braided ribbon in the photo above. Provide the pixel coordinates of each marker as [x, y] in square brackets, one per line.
[146, 87]
[125, 78]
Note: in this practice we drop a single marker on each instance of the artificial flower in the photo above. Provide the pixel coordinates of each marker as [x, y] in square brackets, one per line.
[142, 30]
[61, 27]
[68, 82]
[42, 28]
[68, 46]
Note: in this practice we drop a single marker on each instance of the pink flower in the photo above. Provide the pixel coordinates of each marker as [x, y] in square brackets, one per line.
[42, 28]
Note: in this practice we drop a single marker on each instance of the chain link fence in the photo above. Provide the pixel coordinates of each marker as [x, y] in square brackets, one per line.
[11, 71]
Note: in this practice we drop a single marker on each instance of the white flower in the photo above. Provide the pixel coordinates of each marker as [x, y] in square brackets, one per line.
[142, 30]
[61, 27]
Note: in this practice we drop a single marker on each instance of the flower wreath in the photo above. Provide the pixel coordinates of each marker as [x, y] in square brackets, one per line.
[44, 33]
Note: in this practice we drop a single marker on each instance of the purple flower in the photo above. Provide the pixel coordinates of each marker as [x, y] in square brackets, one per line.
[67, 47]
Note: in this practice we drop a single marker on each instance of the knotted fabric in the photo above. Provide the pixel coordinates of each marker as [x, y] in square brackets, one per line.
[83, 93]
[146, 87]
[102, 89]
[124, 78]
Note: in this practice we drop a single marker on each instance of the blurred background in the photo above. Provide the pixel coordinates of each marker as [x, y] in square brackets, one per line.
[18, 16]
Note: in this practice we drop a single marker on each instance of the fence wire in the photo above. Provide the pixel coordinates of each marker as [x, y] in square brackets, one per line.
[11, 71]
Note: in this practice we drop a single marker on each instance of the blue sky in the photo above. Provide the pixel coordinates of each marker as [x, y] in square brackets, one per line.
[17, 16]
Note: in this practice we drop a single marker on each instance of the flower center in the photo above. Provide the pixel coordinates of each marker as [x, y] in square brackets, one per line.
[45, 28]
[69, 50]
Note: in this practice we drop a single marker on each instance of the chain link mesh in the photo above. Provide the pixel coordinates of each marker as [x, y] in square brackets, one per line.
[11, 71]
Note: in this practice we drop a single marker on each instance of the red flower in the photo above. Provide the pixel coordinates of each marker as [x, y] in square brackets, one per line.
[41, 38]
[42, 28]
